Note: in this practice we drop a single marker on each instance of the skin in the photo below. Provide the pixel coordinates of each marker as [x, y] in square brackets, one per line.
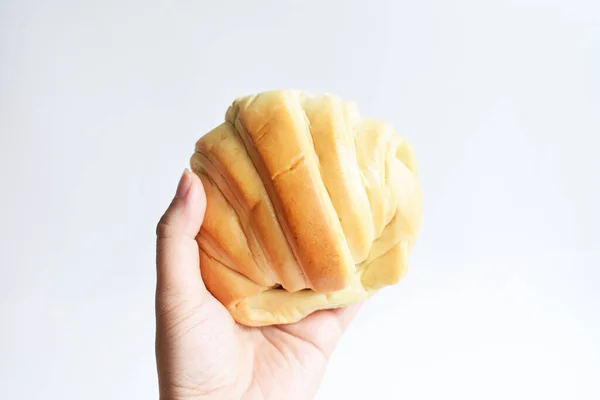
[201, 352]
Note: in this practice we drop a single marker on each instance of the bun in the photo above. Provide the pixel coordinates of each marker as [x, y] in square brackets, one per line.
[309, 206]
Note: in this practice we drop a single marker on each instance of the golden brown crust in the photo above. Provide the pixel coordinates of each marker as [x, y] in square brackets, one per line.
[310, 206]
[222, 154]
[275, 129]
[333, 139]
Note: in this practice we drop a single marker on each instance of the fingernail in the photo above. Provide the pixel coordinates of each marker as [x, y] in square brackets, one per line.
[185, 183]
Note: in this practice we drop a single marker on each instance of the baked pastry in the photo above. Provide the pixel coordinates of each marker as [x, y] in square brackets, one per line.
[309, 206]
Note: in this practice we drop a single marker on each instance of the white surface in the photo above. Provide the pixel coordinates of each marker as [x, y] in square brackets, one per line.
[101, 103]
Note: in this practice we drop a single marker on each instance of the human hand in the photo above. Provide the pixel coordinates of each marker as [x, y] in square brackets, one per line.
[201, 352]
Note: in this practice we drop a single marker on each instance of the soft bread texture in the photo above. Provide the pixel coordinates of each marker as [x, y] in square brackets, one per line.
[309, 206]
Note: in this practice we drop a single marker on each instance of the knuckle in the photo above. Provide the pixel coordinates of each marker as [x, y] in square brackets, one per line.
[163, 228]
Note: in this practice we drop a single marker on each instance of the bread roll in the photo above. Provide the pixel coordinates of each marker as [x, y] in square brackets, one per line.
[309, 206]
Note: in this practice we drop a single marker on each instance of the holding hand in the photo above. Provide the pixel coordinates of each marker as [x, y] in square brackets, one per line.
[201, 352]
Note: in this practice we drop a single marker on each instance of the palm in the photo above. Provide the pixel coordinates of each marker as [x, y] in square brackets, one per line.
[232, 361]
[289, 362]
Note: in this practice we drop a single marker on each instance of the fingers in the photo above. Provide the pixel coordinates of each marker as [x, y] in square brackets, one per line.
[177, 259]
[323, 329]
[345, 315]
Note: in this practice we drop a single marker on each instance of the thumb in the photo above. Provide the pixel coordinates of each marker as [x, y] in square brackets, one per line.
[177, 258]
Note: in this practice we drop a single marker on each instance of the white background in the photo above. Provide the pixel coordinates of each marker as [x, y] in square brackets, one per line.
[101, 104]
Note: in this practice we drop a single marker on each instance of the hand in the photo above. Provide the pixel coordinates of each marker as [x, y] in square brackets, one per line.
[201, 352]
